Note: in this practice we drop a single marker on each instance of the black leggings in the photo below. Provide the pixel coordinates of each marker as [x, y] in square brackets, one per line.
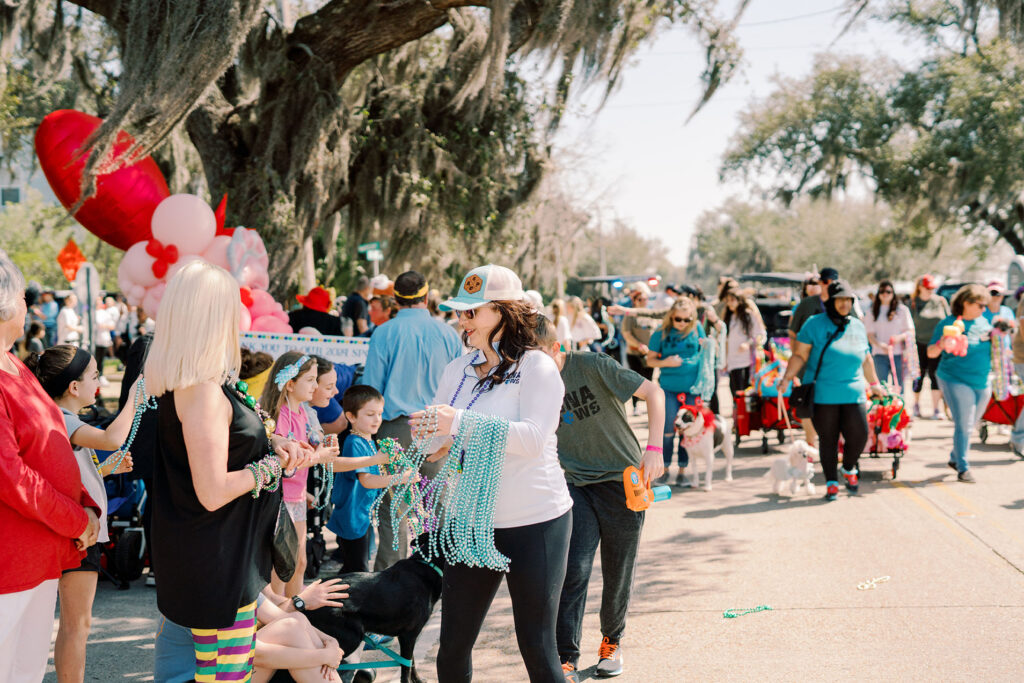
[928, 368]
[739, 379]
[637, 364]
[848, 419]
[537, 558]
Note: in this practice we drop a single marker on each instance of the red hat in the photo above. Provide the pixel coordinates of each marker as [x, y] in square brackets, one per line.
[318, 299]
[928, 282]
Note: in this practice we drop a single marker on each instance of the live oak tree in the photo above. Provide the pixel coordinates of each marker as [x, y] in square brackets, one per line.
[407, 120]
[941, 142]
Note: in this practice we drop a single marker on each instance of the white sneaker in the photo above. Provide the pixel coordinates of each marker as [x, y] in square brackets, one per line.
[609, 659]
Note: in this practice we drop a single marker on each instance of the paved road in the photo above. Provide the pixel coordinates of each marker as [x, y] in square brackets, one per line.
[952, 609]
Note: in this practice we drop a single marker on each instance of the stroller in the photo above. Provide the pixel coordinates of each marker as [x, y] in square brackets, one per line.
[889, 424]
[124, 555]
[1004, 412]
[757, 408]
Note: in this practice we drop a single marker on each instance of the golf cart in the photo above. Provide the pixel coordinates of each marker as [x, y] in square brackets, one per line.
[775, 295]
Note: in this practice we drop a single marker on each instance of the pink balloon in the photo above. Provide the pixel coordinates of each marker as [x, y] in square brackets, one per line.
[217, 252]
[269, 323]
[151, 302]
[245, 321]
[137, 266]
[262, 304]
[181, 263]
[185, 221]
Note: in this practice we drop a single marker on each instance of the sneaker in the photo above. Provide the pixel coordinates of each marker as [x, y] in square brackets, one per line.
[151, 580]
[832, 492]
[569, 670]
[917, 410]
[852, 483]
[662, 480]
[951, 465]
[966, 477]
[682, 482]
[609, 659]
[1017, 450]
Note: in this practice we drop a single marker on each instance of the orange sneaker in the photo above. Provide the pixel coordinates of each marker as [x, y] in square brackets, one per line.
[609, 658]
[570, 672]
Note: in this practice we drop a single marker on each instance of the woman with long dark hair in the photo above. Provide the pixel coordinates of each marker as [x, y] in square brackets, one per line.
[745, 333]
[505, 376]
[890, 329]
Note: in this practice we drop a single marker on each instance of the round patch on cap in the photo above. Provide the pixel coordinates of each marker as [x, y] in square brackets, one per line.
[473, 284]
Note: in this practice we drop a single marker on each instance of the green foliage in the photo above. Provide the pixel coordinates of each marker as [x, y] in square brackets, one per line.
[940, 143]
[32, 233]
[860, 238]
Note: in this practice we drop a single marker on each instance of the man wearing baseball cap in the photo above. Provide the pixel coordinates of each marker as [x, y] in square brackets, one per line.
[996, 310]
[927, 309]
[404, 363]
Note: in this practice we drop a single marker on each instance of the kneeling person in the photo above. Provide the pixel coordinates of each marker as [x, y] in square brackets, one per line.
[595, 445]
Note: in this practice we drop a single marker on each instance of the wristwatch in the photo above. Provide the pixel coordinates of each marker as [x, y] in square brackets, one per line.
[300, 604]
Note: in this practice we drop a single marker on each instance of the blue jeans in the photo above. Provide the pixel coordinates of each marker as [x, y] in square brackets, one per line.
[966, 404]
[672, 406]
[175, 655]
[885, 371]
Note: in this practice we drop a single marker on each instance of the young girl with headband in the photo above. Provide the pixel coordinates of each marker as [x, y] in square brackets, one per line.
[71, 377]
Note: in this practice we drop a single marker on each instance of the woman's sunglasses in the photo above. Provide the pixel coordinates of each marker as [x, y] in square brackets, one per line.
[682, 320]
[885, 291]
[468, 314]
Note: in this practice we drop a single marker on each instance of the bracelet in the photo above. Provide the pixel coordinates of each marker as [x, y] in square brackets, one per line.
[267, 473]
[656, 449]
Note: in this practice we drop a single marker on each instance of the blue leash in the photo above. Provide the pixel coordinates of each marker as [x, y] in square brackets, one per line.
[396, 659]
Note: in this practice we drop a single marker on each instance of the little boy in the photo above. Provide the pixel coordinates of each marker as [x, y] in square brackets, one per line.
[356, 491]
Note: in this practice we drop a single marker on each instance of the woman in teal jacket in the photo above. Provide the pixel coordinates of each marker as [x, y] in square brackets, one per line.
[674, 348]
[964, 379]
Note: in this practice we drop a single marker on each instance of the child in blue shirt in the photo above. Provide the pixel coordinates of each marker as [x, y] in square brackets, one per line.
[355, 491]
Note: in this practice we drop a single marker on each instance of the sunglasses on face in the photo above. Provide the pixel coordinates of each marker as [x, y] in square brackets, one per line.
[994, 292]
[885, 291]
[682, 320]
[468, 314]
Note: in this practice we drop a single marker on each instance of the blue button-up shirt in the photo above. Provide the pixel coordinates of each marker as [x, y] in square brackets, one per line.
[406, 358]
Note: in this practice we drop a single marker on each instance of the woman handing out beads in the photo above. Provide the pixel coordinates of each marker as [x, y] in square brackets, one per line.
[502, 402]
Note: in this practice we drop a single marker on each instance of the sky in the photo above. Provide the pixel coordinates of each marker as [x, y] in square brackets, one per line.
[659, 173]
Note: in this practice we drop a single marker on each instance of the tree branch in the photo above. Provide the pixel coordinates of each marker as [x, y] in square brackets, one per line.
[345, 33]
[111, 10]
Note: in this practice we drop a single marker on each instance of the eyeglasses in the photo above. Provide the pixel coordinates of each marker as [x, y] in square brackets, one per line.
[682, 320]
[885, 291]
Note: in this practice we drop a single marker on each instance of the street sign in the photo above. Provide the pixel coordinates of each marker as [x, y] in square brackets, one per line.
[375, 255]
[367, 247]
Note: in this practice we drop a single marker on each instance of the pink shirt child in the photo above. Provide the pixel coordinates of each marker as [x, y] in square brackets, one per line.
[293, 425]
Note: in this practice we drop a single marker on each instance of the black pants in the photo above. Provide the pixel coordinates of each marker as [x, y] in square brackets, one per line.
[537, 556]
[355, 554]
[637, 364]
[739, 379]
[599, 516]
[928, 368]
[848, 419]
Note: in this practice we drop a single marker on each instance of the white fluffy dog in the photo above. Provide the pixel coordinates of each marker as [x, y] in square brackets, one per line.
[689, 425]
[797, 468]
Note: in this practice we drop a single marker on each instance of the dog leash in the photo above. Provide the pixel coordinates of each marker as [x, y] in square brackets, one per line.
[397, 660]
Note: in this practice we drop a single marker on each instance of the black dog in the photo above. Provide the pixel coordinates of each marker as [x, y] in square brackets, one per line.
[395, 602]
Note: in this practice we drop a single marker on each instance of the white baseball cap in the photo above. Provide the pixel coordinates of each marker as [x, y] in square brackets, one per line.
[483, 285]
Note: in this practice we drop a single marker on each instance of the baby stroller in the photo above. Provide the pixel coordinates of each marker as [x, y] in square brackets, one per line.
[124, 555]
[757, 408]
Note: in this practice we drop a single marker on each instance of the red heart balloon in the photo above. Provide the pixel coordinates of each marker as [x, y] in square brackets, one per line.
[120, 211]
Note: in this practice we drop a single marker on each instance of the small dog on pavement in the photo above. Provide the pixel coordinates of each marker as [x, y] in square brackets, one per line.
[703, 434]
[797, 468]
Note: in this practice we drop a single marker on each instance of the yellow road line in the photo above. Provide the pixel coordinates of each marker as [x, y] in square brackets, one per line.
[929, 507]
[980, 515]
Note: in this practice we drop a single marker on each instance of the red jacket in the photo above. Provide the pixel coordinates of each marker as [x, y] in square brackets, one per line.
[42, 499]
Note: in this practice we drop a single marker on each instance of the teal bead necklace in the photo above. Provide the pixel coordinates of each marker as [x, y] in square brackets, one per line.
[142, 404]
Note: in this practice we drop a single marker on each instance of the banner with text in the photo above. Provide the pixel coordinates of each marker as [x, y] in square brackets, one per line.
[344, 350]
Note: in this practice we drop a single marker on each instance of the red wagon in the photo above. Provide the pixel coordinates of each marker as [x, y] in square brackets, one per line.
[998, 412]
[752, 412]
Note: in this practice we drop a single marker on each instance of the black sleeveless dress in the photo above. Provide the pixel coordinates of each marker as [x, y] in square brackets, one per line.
[211, 563]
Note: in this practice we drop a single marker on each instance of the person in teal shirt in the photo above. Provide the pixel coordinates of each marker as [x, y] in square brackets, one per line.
[995, 309]
[836, 342]
[964, 380]
[674, 348]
